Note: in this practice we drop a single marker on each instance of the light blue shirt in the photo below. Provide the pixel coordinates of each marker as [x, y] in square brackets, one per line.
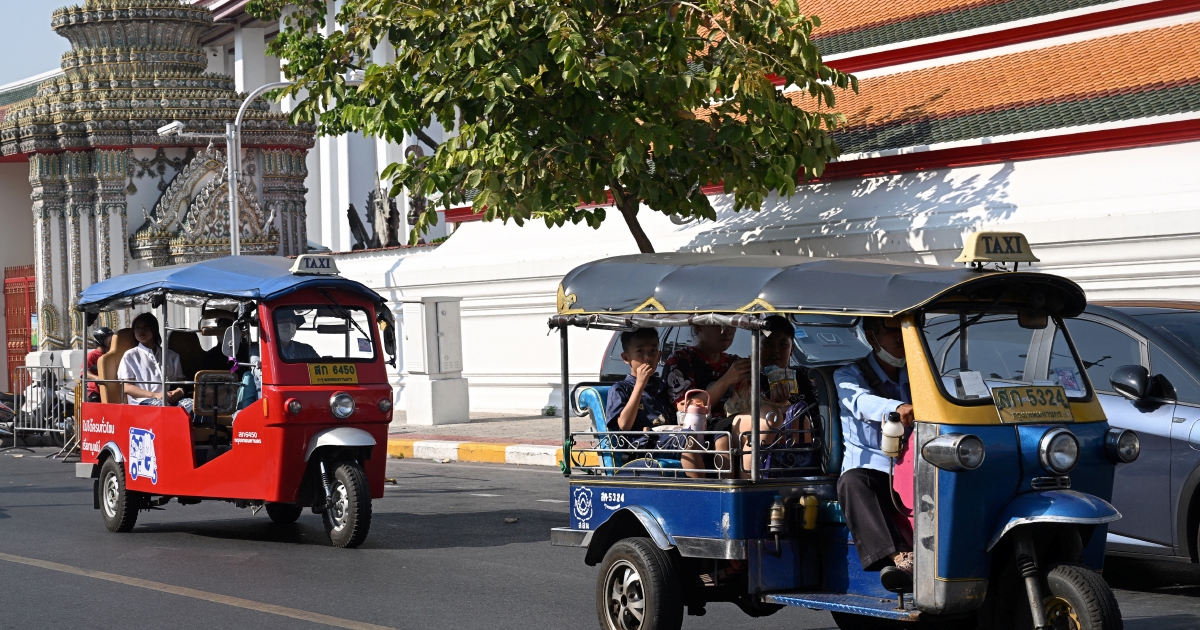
[863, 412]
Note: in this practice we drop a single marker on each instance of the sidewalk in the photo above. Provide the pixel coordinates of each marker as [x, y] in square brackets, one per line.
[488, 437]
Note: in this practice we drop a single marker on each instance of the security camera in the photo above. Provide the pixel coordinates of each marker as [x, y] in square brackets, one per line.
[172, 128]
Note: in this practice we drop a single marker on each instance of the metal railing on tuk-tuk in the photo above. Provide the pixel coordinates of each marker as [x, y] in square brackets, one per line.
[44, 400]
[602, 452]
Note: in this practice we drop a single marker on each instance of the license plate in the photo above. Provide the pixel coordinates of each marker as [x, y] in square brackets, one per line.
[1032, 404]
[332, 374]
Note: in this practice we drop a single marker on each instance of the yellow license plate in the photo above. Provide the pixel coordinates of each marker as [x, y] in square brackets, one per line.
[1040, 403]
[332, 374]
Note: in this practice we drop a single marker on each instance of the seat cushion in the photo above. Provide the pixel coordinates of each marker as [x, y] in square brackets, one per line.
[831, 416]
[110, 361]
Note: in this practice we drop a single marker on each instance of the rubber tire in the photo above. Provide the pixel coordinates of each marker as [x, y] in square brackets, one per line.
[1088, 594]
[662, 590]
[124, 513]
[350, 476]
[284, 513]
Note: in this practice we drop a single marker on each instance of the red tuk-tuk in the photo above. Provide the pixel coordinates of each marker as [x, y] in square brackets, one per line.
[289, 408]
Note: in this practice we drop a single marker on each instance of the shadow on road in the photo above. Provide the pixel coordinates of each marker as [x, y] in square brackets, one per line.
[1169, 622]
[389, 530]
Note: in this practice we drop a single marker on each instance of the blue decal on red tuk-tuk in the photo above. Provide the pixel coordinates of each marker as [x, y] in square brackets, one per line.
[142, 460]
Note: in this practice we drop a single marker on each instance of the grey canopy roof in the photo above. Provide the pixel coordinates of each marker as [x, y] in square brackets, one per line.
[706, 283]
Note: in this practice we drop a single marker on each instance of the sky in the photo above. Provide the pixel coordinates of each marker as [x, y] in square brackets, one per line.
[28, 46]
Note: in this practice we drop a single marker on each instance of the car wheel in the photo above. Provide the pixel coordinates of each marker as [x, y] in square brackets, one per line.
[638, 588]
[1080, 600]
[284, 513]
[348, 518]
[117, 505]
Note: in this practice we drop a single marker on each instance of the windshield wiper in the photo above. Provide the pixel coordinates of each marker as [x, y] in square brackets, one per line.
[345, 314]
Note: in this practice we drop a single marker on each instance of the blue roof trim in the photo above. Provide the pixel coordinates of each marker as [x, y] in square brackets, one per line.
[236, 277]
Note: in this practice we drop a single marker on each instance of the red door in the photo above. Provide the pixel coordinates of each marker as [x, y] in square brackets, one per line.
[20, 294]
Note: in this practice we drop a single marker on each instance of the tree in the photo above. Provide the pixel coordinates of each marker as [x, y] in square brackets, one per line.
[559, 104]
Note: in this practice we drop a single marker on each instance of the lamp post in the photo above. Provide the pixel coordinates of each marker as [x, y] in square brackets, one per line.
[233, 149]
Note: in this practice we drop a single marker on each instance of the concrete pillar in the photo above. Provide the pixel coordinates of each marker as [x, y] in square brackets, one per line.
[217, 57]
[249, 58]
[335, 192]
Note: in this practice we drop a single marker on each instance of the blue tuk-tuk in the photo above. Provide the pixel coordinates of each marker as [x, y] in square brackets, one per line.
[1009, 466]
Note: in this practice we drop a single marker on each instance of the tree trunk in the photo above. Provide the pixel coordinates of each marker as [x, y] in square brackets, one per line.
[628, 205]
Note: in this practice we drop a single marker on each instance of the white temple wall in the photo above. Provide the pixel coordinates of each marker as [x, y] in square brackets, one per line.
[1117, 231]
[18, 235]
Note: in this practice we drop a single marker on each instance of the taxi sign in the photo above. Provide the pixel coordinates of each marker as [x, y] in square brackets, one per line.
[312, 264]
[1037, 404]
[998, 247]
[332, 374]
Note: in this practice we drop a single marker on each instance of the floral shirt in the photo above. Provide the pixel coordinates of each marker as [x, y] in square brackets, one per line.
[687, 369]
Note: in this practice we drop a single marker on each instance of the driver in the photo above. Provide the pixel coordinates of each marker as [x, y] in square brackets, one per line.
[286, 323]
[869, 390]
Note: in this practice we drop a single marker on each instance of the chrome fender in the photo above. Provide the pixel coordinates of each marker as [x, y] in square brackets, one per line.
[1052, 506]
[339, 436]
[114, 451]
[603, 537]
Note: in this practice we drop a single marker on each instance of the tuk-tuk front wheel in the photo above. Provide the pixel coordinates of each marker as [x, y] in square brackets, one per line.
[348, 517]
[118, 506]
[638, 588]
[1080, 600]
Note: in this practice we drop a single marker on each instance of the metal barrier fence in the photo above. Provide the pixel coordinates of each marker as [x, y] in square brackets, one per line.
[43, 404]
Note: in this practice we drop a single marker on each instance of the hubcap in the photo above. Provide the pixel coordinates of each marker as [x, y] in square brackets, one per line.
[626, 597]
[339, 511]
[112, 494]
[1061, 615]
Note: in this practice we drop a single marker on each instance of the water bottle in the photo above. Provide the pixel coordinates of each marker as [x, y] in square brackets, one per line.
[893, 431]
[695, 416]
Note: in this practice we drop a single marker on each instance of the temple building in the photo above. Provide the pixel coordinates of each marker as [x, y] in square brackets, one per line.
[1076, 122]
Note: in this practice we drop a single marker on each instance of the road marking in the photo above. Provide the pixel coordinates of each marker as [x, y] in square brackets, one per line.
[236, 602]
[552, 501]
[484, 495]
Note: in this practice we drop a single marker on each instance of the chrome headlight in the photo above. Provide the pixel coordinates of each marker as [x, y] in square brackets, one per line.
[1058, 451]
[341, 405]
[954, 452]
[1122, 446]
[385, 405]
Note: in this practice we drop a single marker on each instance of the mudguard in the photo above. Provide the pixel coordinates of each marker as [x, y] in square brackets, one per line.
[598, 541]
[339, 436]
[114, 451]
[1052, 506]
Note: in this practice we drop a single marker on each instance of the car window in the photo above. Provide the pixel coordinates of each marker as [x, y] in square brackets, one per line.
[1101, 348]
[1182, 328]
[1186, 389]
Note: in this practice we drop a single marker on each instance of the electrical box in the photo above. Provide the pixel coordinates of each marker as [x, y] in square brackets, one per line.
[432, 336]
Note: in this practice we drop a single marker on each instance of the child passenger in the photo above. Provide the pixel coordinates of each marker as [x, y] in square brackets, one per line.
[654, 406]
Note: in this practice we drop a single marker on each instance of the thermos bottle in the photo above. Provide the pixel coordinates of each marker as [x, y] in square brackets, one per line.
[695, 417]
[893, 431]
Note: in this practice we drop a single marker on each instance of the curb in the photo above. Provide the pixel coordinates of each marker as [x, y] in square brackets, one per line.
[485, 452]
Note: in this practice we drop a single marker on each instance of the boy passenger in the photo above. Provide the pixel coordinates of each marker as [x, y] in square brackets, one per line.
[654, 406]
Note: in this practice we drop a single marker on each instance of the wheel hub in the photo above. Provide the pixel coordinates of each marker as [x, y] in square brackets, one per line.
[112, 494]
[340, 506]
[1061, 615]
[626, 597]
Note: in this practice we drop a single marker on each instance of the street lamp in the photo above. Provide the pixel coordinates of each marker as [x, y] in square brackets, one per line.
[233, 148]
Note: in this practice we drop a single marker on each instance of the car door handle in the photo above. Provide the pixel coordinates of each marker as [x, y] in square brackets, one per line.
[1178, 420]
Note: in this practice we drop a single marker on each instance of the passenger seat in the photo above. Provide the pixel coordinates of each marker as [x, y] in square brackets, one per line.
[831, 417]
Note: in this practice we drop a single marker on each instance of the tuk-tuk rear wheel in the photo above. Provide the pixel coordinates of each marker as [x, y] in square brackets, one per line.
[348, 518]
[638, 588]
[118, 506]
[1080, 600]
[284, 513]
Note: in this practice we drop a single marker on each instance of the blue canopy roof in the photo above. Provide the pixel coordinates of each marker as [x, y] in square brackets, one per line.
[232, 277]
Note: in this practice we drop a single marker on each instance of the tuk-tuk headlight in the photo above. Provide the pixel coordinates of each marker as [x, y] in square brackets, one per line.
[341, 405]
[1058, 451]
[1122, 446]
[954, 452]
[385, 405]
[294, 407]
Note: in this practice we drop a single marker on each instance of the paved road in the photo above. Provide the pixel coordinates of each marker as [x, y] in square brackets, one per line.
[440, 555]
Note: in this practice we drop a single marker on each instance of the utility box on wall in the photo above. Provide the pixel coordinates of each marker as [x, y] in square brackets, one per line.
[435, 391]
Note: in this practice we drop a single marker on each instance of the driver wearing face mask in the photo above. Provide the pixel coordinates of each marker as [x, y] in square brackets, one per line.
[286, 323]
[869, 390]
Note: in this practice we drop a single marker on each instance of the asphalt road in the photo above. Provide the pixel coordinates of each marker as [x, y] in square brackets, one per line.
[440, 555]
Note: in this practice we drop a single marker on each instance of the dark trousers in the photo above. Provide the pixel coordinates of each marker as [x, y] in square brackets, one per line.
[873, 521]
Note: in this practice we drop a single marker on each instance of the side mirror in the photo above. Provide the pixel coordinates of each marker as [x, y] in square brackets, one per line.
[230, 342]
[1032, 320]
[1130, 381]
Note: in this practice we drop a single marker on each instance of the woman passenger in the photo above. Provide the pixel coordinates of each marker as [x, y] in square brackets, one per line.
[706, 366]
[141, 370]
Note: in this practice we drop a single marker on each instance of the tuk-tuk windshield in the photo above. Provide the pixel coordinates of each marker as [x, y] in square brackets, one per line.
[973, 352]
[323, 333]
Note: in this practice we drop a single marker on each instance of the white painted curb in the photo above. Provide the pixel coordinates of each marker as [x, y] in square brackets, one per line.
[531, 455]
[436, 449]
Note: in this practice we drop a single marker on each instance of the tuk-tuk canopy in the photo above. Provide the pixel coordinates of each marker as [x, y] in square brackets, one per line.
[670, 286]
[236, 278]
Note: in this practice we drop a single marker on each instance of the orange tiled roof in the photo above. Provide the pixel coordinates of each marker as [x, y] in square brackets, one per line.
[1131, 61]
[839, 16]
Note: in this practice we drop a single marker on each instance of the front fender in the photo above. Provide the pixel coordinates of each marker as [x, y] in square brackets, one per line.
[1052, 506]
[609, 533]
[339, 436]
